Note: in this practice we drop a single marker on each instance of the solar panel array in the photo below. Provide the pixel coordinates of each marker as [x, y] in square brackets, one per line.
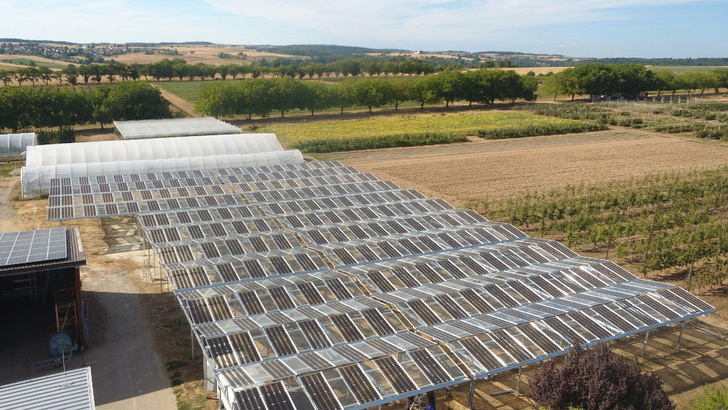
[19, 248]
[313, 285]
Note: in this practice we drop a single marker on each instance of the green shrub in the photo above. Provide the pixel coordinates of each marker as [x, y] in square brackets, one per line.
[63, 135]
[546, 129]
[712, 398]
[354, 144]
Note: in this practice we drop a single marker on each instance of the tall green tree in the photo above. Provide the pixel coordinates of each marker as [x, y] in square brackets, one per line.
[596, 79]
[287, 94]
[372, 92]
[425, 90]
[632, 79]
[136, 101]
[665, 81]
[316, 96]
[401, 90]
[450, 86]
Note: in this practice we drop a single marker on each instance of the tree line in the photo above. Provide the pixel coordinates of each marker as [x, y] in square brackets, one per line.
[178, 68]
[262, 96]
[629, 80]
[43, 107]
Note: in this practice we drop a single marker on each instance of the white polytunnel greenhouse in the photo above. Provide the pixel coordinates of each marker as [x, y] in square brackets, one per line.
[36, 180]
[174, 127]
[132, 150]
[13, 146]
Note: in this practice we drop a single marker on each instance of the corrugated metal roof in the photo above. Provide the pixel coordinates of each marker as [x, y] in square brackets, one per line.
[68, 390]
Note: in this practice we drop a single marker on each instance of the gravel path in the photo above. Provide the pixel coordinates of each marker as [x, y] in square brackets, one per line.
[127, 373]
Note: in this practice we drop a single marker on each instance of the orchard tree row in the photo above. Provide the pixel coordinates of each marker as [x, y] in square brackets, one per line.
[43, 107]
[179, 69]
[629, 80]
[263, 96]
[662, 221]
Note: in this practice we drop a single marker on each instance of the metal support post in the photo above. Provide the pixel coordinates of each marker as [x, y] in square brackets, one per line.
[472, 392]
[644, 345]
[679, 338]
[518, 383]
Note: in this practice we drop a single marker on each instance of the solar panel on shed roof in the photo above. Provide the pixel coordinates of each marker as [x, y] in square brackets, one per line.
[19, 248]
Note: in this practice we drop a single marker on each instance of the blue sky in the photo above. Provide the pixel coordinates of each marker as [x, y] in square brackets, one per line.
[582, 28]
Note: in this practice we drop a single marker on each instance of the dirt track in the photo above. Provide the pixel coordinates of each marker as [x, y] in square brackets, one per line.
[176, 101]
[496, 169]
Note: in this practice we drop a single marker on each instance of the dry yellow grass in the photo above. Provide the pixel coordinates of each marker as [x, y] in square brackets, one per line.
[201, 54]
[536, 70]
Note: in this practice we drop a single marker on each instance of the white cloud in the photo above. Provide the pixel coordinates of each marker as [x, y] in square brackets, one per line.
[473, 25]
[431, 21]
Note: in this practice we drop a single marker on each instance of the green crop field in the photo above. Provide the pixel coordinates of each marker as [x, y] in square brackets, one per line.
[189, 90]
[29, 62]
[373, 133]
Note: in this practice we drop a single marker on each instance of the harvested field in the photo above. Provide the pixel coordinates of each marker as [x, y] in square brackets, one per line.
[537, 70]
[200, 54]
[499, 168]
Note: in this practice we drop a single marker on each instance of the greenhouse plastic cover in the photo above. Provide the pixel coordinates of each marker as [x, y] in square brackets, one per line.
[36, 180]
[156, 148]
[13, 146]
[175, 127]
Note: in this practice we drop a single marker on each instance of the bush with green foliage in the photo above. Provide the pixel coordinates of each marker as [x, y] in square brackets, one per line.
[597, 379]
[713, 398]
[63, 135]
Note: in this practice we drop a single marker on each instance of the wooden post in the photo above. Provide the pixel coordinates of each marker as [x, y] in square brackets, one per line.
[77, 308]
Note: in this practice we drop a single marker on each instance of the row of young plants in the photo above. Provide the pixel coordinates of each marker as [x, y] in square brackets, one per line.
[562, 126]
[703, 121]
[661, 221]
[372, 133]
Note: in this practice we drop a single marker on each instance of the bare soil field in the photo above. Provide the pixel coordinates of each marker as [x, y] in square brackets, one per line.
[494, 169]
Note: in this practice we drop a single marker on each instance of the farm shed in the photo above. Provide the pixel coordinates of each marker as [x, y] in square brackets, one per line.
[13, 146]
[175, 127]
[315, 286]
[40, 294]
[37, 180]
[71, 389]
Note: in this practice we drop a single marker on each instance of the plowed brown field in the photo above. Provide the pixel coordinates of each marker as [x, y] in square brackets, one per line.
[494, 169]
